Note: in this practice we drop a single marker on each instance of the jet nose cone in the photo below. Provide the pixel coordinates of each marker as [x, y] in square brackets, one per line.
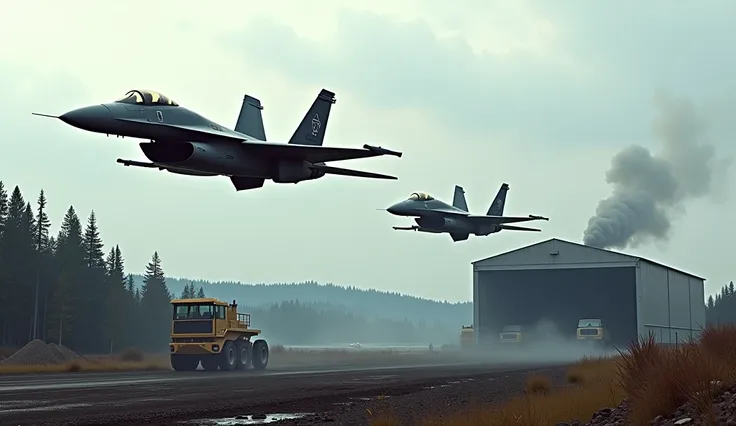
[90, 118]
[395, 209]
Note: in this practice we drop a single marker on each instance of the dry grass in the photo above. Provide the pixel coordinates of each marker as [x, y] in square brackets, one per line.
[658, 380]
[542, 404]
[655, 379]
[101, 364]
[132, 359]
[538, 385]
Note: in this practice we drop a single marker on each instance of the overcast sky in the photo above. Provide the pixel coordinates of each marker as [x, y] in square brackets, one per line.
[539, 94]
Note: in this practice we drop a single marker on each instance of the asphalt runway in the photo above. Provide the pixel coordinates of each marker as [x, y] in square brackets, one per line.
[168, 398]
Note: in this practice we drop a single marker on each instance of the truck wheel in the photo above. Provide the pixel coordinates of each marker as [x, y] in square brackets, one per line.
[181, 362]
[210, 362]
[245, 353]
[228, 356]
[260, 354]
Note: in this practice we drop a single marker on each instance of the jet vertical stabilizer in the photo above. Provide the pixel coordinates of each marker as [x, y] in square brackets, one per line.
[311, 130]
[496, 208]
[250, 120]
[458, 200]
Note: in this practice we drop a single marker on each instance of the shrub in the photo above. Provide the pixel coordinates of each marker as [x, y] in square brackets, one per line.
[131, 355]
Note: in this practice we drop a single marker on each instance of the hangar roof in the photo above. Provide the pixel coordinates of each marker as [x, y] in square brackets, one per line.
[571, 253]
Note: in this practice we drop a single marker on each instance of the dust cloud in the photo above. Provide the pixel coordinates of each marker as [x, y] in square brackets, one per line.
[544, 343]
[650, 190]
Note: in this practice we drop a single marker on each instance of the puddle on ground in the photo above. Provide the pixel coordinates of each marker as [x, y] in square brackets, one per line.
[247, 419]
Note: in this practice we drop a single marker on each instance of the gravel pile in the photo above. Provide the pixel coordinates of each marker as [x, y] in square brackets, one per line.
[724, 411]
[65, 353]
[37, 352]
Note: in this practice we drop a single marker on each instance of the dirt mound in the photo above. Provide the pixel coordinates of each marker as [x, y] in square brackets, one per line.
[37, 352]
[65, 353]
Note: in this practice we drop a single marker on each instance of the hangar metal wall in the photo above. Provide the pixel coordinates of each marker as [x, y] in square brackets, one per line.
[671, 304]
[562, 295]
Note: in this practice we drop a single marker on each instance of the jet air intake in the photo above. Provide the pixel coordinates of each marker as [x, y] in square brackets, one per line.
[439, 223]
[210, 157]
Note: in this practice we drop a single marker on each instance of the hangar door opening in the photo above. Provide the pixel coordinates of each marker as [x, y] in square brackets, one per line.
[563, 296]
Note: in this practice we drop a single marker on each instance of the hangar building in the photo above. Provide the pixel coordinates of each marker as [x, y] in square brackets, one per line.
[564, 282]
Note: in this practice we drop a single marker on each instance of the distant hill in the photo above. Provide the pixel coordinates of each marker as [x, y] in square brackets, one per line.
[370, 304]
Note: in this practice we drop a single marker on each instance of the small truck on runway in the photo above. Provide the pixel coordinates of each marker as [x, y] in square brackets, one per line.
[212, 332]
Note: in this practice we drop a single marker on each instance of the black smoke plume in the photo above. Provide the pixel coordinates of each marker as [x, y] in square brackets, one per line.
[649, 191]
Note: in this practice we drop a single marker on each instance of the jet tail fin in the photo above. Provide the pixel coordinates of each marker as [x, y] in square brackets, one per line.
[311, 130]
[458, 200]
[496, 208]
[250, 120]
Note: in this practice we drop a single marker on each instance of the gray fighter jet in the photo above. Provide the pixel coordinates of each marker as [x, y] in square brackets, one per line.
[437, 217]
[184, 142]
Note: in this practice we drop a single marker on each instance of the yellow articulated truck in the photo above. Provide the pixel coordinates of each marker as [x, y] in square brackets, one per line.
[212, 332]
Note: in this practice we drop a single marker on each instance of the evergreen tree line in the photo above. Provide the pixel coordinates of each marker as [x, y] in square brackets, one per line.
[722, 308]
[64, 289]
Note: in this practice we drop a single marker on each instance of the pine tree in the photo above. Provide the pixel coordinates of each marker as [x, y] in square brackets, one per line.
[16, 209]
[29, 223]
[200, 294]
[70, 257]
[711, 302]
[120, 307]
[731, 288]
[186, 292]
[70, 234]
[42, 225]
[155, 304]
[3, 207]
[130, 284]
[93, 243]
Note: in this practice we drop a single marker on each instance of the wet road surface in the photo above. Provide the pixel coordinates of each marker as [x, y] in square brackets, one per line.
[168, 398]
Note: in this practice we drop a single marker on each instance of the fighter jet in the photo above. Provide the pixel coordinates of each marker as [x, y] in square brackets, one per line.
[437, 217]
[184, 142]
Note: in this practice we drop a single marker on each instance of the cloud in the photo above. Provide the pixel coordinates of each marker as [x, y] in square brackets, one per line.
[388, 64]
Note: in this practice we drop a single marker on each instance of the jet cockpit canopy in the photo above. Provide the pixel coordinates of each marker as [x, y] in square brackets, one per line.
[146, 98]
[420, 196]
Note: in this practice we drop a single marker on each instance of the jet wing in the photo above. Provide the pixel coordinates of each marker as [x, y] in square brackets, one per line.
[315, 154]
[497, 220]
[486, 219]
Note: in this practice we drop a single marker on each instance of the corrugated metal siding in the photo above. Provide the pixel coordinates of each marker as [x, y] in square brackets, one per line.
[670, 304]
[697, 305]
